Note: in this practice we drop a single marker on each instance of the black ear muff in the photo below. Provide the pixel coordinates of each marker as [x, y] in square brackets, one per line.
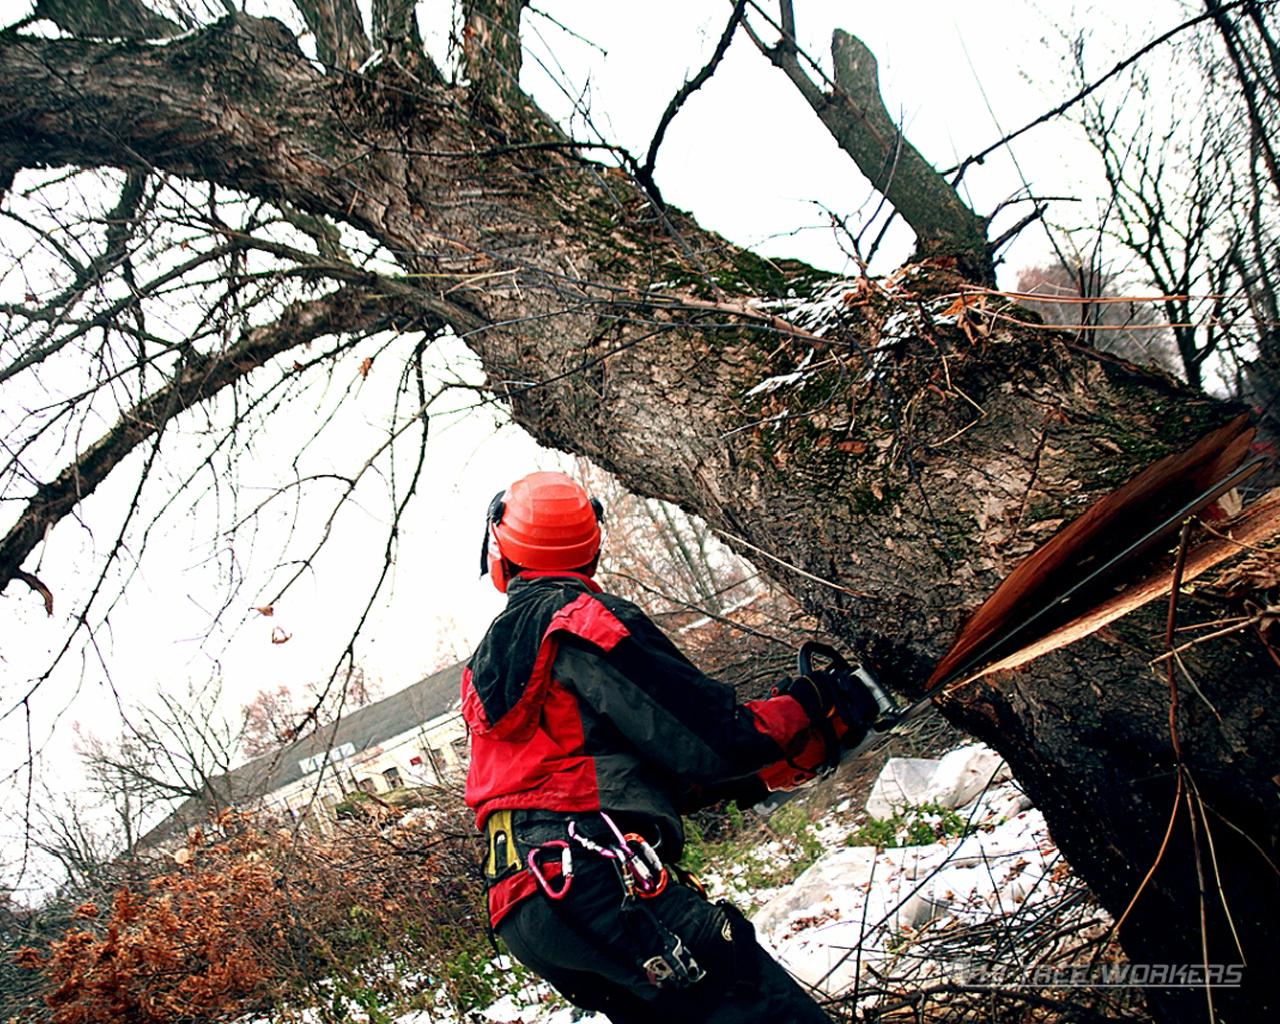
[492, 518]
[598, 509]
[496, 507]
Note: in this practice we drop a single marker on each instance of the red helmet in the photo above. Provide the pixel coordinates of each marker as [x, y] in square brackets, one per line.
[542, 521]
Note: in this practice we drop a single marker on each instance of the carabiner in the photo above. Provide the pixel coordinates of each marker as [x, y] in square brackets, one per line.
[650, 872]
[538, 869]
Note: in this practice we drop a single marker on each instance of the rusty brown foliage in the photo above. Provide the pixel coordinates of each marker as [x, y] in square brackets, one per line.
[248, 916]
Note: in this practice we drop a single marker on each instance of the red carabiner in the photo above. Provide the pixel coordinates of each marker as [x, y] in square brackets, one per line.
[539, 869]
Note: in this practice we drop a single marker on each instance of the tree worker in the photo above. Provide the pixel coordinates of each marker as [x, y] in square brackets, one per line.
[590, 735]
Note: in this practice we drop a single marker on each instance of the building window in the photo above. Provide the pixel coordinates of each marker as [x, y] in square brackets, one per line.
[392, 775]
[367, 785]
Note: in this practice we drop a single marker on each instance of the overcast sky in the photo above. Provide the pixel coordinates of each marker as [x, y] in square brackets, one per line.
[745, 156]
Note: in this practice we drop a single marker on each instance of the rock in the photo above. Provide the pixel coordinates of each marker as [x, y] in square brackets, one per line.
[961, 775]
[902, 782]
[996, 805]
[841, 874]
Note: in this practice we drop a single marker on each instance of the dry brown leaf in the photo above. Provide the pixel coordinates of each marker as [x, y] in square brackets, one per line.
[365, 364]
[279, 636]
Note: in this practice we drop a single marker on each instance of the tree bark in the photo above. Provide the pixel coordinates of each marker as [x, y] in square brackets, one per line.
[907, 442]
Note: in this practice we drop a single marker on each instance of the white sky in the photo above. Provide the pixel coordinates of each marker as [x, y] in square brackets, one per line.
[745, 155]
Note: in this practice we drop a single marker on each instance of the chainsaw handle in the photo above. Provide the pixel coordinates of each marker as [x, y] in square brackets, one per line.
[804, 657]
[839, 665]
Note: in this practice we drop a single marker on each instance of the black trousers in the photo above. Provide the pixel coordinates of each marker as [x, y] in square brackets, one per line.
[590, 946]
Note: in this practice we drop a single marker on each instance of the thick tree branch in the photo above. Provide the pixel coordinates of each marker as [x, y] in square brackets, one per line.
[866, 131]
[195, 108]
[340, 40]
[199, 379]
[395, 30]
[192, 107]
[101, 19]
[491, 47]
[853, 111]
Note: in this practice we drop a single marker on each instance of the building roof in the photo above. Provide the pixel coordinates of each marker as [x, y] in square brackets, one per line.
[366, 727]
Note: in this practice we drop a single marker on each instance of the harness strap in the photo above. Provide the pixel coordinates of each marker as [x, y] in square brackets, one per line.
[507, 879]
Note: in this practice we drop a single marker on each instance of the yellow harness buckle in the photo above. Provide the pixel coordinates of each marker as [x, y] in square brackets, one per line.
[502, 857]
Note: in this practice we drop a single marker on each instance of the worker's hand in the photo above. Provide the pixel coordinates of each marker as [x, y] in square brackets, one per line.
[815, 693]
[836, 700]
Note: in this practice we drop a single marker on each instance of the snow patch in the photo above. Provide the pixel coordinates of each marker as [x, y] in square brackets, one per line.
[903, 782]
[783, 379]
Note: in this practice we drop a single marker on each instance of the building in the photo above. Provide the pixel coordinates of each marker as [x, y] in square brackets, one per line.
[414, 738]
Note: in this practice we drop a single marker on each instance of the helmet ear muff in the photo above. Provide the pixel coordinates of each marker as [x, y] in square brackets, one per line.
[491, 560]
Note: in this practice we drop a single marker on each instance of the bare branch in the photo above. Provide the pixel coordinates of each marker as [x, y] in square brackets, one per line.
[1092, 87]
[1248, 88]
[645, 172]
[198, 379]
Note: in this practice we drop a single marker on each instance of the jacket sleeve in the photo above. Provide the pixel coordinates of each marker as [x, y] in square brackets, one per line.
[678, 718]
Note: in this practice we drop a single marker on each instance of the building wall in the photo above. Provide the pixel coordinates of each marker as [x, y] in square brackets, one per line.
[429, 754]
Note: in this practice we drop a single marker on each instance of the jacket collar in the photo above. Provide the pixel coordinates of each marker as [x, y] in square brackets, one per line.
[528, 578]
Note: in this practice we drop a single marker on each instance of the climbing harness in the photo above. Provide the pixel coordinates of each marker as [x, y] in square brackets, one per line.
[644, 876]
[660, 953]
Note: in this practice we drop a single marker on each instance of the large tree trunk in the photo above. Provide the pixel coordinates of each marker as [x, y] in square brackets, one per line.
[886, 452]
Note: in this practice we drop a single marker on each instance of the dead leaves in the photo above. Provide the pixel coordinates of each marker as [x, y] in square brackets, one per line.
[1257, 573]
[279, 635]
[967, 309]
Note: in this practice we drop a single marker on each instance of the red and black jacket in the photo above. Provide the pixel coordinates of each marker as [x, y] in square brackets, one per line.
[577, 702]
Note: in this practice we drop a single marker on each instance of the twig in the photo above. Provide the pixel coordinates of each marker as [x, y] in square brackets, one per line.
[644, 173]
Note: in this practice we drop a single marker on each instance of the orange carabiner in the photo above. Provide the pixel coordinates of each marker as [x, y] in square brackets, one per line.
[646, 865]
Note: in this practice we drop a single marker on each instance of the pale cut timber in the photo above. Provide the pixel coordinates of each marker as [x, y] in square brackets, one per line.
[1044, 575]
[1257, 524]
